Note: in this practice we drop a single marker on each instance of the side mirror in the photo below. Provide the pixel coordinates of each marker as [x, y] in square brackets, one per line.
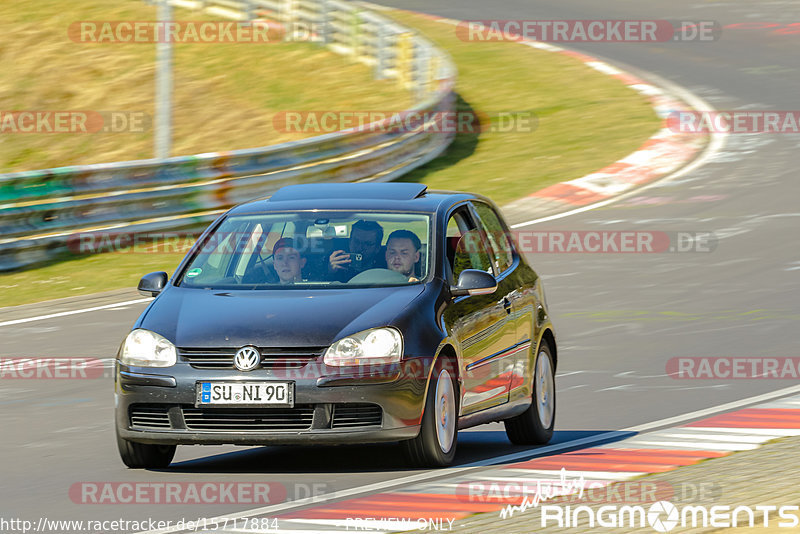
[474, 282]
[152, 284]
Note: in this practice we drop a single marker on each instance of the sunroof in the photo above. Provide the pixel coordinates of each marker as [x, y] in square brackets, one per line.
[388, 191]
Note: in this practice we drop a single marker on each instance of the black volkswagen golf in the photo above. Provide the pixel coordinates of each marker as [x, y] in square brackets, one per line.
[340, 313]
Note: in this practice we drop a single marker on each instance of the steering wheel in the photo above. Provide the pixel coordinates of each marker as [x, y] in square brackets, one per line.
[379, 276]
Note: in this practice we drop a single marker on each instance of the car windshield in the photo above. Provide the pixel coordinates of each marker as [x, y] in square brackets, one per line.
[312, 250]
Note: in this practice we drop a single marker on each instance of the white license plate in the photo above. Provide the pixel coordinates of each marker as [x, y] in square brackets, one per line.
[245, 393]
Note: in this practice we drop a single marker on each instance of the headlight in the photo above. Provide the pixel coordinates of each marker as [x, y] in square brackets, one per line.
[379, 345]
[144, 348]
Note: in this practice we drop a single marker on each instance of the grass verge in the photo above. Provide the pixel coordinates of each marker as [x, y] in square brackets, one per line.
[225, 94]
[83, 275]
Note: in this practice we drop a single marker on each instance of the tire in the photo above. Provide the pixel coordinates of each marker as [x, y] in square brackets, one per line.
[535, 425]
[144, 456]
[435, 446]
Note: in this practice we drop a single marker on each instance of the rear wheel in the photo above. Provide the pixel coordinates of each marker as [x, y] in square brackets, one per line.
[144, 456]
[435, 446]
[535, 425]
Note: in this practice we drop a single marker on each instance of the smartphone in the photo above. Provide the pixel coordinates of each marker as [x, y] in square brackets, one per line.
[355, 261]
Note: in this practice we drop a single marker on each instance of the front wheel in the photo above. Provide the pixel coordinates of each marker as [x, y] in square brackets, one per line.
[535, 425]
[435, 446]
[144, 456]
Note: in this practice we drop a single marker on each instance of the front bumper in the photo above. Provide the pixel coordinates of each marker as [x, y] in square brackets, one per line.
[157, 405]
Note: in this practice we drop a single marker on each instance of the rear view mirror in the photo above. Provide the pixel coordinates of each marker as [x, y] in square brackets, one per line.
[474, 282]
[152, 284]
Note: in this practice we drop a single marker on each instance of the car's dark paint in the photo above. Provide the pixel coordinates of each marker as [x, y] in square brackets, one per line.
[491, 339]
[153, 283]
[473, 282]
[130, 380]
[315, 192]
[401, 401]
[198, 318]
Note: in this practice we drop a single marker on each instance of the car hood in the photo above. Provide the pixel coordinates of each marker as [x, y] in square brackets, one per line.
[272, 318]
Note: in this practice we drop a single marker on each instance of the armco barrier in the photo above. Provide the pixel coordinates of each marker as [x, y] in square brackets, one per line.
[40, 210]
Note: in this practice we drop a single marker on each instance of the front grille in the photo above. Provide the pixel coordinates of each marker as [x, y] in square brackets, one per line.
[149, 416]
[271, 357]
[241, 419]
[356, 415]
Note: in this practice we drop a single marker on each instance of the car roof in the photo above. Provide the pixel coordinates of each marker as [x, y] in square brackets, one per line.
[390, 191]
[411, 197]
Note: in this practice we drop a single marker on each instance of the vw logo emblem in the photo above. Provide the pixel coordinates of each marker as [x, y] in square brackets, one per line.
[247, 359]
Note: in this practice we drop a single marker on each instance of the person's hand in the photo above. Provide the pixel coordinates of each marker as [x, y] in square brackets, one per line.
[413, 279]
[338, 260]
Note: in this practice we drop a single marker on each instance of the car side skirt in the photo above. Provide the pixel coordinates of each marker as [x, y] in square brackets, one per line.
[497, 413]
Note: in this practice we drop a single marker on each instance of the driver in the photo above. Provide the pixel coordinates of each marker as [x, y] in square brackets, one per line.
[365, 239]
[402, 253]
[287, 261]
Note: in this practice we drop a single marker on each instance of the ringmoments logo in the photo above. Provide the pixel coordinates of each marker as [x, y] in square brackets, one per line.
[661, 516]
[664, 516]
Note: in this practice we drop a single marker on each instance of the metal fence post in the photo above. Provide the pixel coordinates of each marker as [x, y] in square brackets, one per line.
[433, 72]
[323, 32]
[287, 18]
[162, 137]
[380, 53]
[405, 58]
[421, 71]
[355, 33]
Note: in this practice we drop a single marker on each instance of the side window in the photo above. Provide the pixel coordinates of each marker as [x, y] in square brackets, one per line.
[498, 239]
[465, 246]
[217, 253]
[253, 246]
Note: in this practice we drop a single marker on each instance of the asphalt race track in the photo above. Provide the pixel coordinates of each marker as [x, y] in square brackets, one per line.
[619, 317]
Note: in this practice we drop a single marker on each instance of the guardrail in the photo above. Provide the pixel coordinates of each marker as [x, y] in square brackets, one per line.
[40, 210]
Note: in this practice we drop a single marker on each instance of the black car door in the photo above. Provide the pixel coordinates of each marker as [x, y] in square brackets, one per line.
[481, 323]
[513, 288]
